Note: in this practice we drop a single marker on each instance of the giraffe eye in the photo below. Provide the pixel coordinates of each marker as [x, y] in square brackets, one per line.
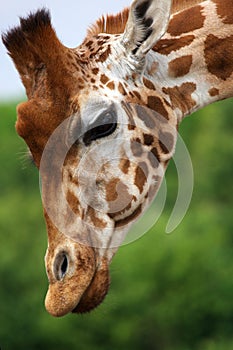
[105, 126]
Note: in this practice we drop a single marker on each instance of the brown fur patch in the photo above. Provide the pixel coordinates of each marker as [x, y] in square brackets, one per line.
[148, 139]
[89, 44]
[73, 202]
[95, 71]
[96, 221]
[121, 89]
[117, 196]
[186, 21]
[131, 127]
[179, 5]
[219, 56]
[166, 46]
[224, 10]
[140, 176]
[180, 66]
[181, 96]
[156, 104]
[148, 84]
[103, 56]
[213, 92]
[104, 79]
[144, 168]
[136, 148]
[145, 115]
[129, 218]
[116, 214]
[166, 141]
[124, 165]
[111, 190]
[137, 94]
[154, 157]
[111, 85]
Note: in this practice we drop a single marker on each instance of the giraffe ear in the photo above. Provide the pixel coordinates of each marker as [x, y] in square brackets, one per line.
[35, 49]
[147, 22]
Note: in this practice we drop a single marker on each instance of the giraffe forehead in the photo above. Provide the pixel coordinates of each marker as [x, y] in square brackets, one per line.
[107, 77]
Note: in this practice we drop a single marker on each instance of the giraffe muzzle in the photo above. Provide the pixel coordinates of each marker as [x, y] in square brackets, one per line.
[78, 278]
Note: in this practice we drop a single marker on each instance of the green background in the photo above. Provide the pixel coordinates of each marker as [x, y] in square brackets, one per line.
[168, 292]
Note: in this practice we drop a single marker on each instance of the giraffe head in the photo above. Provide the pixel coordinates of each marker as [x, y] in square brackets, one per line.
[100, 135]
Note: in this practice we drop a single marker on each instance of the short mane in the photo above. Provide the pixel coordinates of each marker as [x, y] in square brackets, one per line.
[110, 24]
[115, 24]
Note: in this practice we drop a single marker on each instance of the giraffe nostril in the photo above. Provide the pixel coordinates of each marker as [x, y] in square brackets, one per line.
[61, 265]
[64, 266]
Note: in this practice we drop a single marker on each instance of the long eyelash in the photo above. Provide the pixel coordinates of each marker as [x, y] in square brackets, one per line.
[30, 158]
[25, 158]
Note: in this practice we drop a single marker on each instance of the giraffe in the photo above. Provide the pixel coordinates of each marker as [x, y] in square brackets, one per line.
[101, 123]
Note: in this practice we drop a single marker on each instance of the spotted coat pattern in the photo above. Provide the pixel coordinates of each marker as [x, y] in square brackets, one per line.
[143, 82]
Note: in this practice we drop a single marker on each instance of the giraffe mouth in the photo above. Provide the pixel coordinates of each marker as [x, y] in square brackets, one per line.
[95, 293]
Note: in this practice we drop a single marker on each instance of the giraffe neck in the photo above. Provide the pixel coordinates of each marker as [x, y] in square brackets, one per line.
[191, 66]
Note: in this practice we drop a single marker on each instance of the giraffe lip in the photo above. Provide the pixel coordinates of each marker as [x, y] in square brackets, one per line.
[95, 292]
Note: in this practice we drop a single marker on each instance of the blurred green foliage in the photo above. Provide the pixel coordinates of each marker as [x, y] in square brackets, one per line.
[169, 292]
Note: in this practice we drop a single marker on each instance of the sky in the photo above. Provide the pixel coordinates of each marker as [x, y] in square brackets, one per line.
[70, 19]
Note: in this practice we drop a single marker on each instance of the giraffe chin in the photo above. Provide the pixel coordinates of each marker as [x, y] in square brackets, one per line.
[95, 292]
[59, 304]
